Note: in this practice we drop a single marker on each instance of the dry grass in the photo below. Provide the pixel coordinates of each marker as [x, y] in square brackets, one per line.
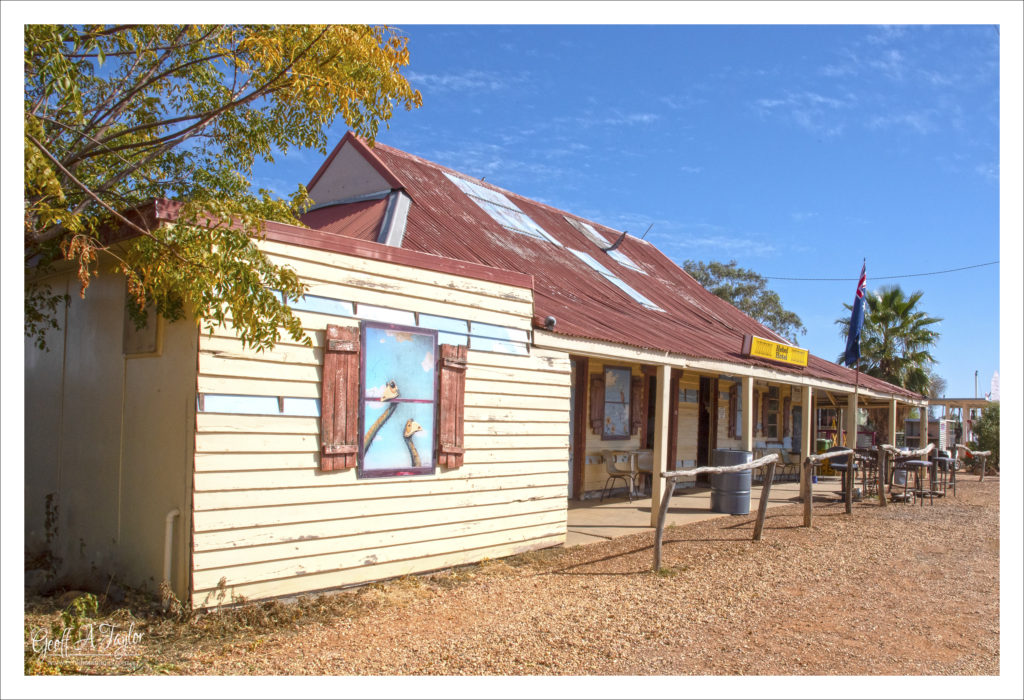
[905, 590]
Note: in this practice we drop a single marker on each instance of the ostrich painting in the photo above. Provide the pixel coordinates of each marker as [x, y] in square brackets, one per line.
[389, 394]
[411, 428]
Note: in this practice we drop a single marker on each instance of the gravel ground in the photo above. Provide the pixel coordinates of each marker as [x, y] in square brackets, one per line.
[896, 591]
[905, 590]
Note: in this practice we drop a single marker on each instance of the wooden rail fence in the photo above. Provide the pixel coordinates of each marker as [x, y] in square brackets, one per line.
[767, 463]
[884, 455]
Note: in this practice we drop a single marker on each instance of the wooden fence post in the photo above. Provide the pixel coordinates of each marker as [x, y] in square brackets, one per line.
[882, 464]
[808, 491]
[670, 485]
[762, 507]
[848, 491]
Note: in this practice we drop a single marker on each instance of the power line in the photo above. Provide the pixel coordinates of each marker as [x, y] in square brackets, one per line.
[889, 277]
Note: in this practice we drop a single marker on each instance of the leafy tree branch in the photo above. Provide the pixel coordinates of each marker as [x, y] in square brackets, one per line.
[117, 117]
[747, 291]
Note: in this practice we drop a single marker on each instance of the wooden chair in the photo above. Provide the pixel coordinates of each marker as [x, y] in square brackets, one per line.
[645, 467]
[628, 476]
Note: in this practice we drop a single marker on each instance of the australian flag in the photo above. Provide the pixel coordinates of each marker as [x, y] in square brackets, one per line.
[856, 319]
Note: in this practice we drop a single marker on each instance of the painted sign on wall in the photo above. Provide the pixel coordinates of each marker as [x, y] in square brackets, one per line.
[753, 346]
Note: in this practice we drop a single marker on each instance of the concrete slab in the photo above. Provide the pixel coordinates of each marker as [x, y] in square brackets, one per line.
[591, 521]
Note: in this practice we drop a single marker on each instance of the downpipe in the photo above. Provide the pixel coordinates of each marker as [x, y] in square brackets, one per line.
[169, 542]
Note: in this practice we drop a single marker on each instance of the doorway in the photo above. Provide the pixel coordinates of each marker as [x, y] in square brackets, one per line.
[798, 429]
[652, 402]
[572, 423]
[707, 420]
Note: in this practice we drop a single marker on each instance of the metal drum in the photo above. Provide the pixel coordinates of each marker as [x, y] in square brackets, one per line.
[730, 493]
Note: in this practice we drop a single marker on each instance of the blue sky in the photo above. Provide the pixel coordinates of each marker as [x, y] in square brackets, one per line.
[794, 150]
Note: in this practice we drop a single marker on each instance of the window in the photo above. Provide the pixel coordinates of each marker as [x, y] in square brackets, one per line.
[502, 209]
[597, 239]
[604, 272]
[770, 429]
[625, 261]
[735, 411]
[397, 399]
[688, 395]
[617, 386]
[589, 231]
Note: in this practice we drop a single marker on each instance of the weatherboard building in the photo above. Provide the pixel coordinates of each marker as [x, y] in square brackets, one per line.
[475, 354]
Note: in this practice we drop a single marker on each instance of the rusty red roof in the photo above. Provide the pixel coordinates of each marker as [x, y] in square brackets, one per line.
[358, 220]
[443, 220]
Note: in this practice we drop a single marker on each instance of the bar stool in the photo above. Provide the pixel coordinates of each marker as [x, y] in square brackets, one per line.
[947, 474]
[901, 477]
[869, 473]
[845, 465]
[919, 465]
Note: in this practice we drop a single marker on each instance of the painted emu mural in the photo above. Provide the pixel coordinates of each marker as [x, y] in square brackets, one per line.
[389, 394]
[399, 400]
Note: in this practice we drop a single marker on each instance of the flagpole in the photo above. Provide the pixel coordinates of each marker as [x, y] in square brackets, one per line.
[848, 496]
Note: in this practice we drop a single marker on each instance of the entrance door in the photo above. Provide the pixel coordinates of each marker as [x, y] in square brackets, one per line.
[707, 420]
[580, 368]
[572, 421]
[798, 427]
[652, 405]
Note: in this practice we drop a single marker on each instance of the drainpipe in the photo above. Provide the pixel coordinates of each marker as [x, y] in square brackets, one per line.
[168, 541]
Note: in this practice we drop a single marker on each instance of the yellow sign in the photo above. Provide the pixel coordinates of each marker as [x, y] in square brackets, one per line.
[770, 350]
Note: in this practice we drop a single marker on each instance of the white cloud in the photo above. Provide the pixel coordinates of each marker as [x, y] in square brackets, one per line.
[726, 245]
[891, 63]
[812, 111]
[621, 119]
[886, 33]
[990, 171]
[801, 216]
[918, 121]
[464, 81]
[691, 169]
[681, 101]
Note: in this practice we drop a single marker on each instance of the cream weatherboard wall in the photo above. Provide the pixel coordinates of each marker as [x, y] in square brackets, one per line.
[108, 443]
[268, 522]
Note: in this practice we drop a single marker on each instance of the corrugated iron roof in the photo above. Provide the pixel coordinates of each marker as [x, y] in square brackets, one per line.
[444, 221]
[357, 219]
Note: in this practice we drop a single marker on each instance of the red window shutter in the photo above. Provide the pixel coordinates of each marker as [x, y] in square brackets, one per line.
[637, 405]
[597, 403]
[339, 399]
[785, 416]
[733, 395]
[450, 403]
[753, 411]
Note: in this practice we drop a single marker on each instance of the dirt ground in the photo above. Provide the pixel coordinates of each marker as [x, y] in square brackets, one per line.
[900, 591]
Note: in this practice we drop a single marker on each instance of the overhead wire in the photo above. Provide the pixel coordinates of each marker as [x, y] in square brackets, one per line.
[886, 277]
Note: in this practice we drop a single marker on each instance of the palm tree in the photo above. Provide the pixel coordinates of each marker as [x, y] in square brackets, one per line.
[896, 339]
